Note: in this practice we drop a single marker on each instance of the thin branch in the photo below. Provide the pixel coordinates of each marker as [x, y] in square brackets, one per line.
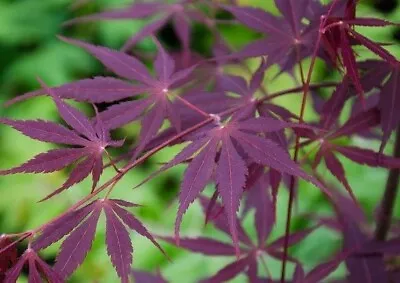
[192, 106]
[112, 162]
[20, 239]
[296, 90]
[306, 88]
[388, 200]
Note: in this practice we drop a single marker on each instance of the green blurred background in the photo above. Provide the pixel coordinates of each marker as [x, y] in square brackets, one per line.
[29, 48]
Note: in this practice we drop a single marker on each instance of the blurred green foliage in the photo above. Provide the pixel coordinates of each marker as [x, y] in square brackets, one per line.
[29, 48]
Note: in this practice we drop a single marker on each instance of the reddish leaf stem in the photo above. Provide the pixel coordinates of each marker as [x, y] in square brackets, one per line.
[306, 88]
[292, 183]
[112, 163]
[22, 237]
[297, 89]
[191, 106]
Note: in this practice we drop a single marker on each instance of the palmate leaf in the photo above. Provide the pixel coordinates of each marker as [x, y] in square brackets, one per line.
[234, 143]
[287, 36]
[338, 33]
[361, 121]
[37, 269]
[238, 153]
[295, 40]
[79, 228]
[90, 140]
[180, 14]
[156, 106]
[328, 149]
[249, 251]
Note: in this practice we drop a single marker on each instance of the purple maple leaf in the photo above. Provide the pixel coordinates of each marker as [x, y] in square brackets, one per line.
[89, 138]
[79, 227]
[158, 103]
[337, 35]
[181, 14]
[37, 269]
[249, 251]
[360, 122]
[234, 142]
[287, 36]
[351, 223]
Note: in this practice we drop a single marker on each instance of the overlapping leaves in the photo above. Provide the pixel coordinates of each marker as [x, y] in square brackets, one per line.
[326, 144]
[180, 14]
[225, 149]
[288, 38]
[249, 252]
[80, 227]
[38, 269]
[242, 150]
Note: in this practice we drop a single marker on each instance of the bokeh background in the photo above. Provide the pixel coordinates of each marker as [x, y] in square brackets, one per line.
[29, 49]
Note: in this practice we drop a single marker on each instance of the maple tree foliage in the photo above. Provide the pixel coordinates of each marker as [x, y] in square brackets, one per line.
[92, 139]
[234, 136]
[180, 14]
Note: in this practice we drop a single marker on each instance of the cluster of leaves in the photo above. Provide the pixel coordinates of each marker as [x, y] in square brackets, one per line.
[235, 135]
